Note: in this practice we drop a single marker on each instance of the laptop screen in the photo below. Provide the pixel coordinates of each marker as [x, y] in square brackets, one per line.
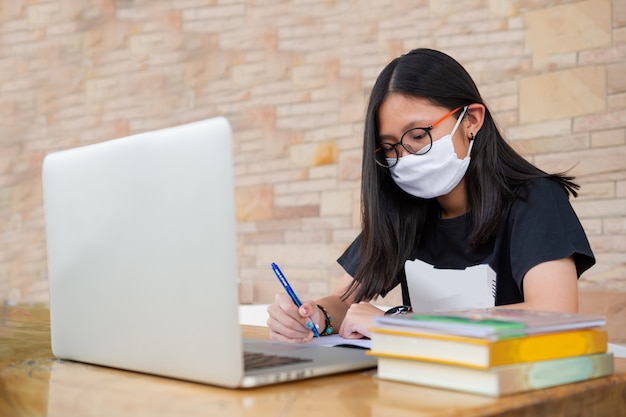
[141, 238]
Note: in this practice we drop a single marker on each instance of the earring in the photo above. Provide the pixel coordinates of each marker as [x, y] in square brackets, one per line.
[471, 135]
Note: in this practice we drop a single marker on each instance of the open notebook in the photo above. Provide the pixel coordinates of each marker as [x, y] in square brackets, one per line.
[142, 261]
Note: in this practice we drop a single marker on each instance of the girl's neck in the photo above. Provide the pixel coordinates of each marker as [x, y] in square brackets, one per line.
[453, 204]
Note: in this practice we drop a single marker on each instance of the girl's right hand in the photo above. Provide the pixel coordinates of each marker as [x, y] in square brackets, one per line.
[288, 323]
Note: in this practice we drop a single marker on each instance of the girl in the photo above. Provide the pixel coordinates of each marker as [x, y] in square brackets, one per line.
[449, 211]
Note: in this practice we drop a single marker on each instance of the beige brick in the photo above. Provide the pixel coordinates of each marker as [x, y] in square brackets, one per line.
[344, 236]
[621, 189]
[313, 154]
[262, 166]
[502, 88]
[599, 209]
[296, 212]
[352, 142]
[266, 289]
[552, 145]
[328, 132]
[593, 227]
[607, 120]
[299, 255]
[323, 171]
[617, 101]
[305, 186]
[504, 7]
[603, 55]
[276, 177]
[561, 60]
[214, 13]
[78, 123]
[591, 163]
[619, 35]
[615, 226]
[616, 77]
[608, 272]
[307, 77]
[497, 69]
[303, 122]
[296, 109]
[338, 202]
[502, 103]
[333, 223]
[295, 200]
[265, 237]
[254, 203]
[609, 244]
[560, 94]
[505, 119]
[539, 130]
[596, 190]
[608, 138]
[350, 165]
[619, 13]
[566, 28]
[278, 224]
[42, 14]
[320, 236]
[104, 38]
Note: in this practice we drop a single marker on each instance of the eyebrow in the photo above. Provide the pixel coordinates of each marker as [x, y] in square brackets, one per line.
[411, 125]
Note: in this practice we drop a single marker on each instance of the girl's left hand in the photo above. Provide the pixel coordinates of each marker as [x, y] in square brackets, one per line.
[358, 320]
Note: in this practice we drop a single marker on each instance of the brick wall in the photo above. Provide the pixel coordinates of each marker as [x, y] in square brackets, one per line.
[293, 78]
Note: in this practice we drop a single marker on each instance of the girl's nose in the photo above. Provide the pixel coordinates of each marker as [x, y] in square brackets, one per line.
[401, 151]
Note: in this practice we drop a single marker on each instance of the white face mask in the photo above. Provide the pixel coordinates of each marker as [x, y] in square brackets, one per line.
[435, 173]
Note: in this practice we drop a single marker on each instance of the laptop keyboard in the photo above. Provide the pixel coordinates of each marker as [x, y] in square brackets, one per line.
[253, 360]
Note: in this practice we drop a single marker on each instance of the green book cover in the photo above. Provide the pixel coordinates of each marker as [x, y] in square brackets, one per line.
[493, 323]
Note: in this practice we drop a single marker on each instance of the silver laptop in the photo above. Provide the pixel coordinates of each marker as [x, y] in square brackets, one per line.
[142, 262]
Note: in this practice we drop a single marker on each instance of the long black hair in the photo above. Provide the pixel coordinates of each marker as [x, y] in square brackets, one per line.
[392, 220]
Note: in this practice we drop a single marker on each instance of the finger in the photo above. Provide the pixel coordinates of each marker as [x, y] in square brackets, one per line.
[353, 335]
[348, 333]
[309, 310]
[285, 303]
[285, 318]
[350, 328]
[284, 312]
[278, 331]
[288, 326]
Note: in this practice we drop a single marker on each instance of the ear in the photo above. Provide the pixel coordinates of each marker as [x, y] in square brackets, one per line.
[474, 119]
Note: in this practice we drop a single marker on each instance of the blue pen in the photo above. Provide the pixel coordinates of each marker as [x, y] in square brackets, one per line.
[292, 294]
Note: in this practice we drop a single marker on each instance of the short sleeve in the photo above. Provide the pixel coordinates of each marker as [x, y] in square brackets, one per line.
[544, 227]
[349, 260]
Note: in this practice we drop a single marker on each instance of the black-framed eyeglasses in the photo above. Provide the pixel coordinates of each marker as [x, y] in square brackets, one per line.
[416, 141]
[395, 311]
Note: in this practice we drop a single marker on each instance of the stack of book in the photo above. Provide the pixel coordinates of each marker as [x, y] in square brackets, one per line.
[491, 351]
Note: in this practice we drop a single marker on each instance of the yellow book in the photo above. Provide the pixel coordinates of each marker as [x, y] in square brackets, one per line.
[481, 353]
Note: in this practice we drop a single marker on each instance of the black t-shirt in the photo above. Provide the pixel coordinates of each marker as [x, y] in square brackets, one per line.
[444, 273]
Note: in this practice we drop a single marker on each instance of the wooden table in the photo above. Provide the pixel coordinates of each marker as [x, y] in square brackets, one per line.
[33, 383]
